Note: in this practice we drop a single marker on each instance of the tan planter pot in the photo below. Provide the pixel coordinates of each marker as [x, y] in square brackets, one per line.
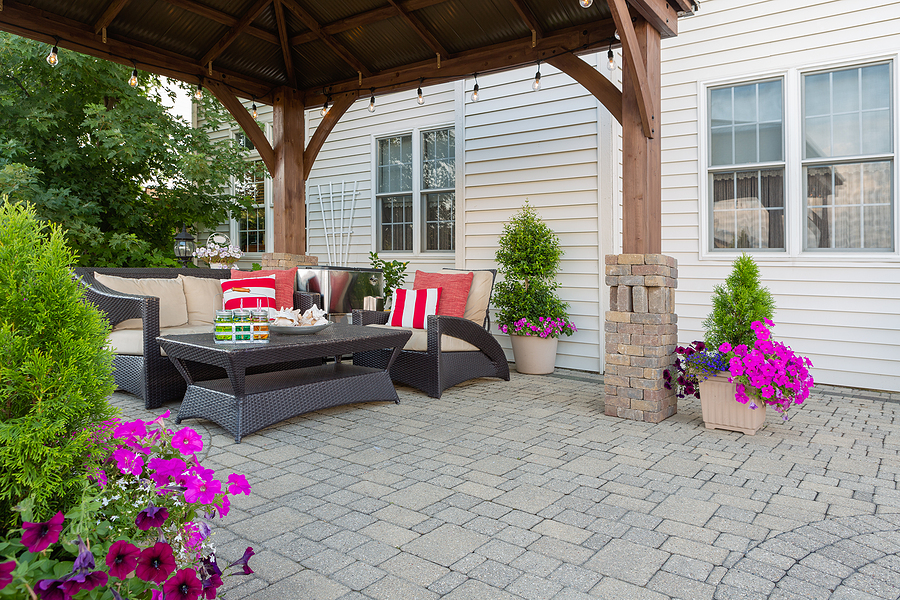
[534, 355]
[722, 411]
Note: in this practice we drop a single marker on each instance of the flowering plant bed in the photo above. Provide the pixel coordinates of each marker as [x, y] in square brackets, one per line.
[140, 531]
[214, 253]
[545, 327]
[693, 364]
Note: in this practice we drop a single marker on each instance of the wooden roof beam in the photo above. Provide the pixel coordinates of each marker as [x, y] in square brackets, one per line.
[592, 80]
[246, 121]
[285, 44]
[536, 31]
[634, 63]
[314, 26]
[661, 14]
[220, 17]
[236, 30]
[420, 29]
[113, 9]
[341, 105]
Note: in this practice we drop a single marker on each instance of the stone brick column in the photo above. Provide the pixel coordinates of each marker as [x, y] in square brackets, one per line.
[280, 260]
[641, 335]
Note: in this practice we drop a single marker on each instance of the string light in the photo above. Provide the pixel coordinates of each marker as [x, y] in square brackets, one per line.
[53, 57]
[611, 59]
[253, 112]
[537, 78]
[420, 99]
[585, 3]
[372, 101]
[325, 108]
[199, 93]
[133, 80]
[475, 89]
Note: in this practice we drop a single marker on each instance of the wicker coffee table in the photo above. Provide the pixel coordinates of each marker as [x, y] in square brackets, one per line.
[245, 403]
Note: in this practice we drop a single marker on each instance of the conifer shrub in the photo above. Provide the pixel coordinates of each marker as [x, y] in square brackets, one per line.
[737, 304]
[55, 373]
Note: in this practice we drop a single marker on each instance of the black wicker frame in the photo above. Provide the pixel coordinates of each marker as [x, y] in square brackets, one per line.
[433, 371]
[152, 377]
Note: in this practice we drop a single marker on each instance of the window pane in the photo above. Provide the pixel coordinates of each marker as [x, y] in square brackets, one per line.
[877, 183]
[876, 81]
[818, 137]
[846, 227]
[720, 152]
[846, 91]
[438, 160]
[770, 101]
[817, 95]
[723, 228]
[748, 209]
[876, 132]
[746, 124]
[771, 188]
[440, 221]
[745, 144]
[770, 147]
[720, 107]
[847, 184]
[745, 104]
[395, 164]
[846, 135]
[878, 231]
[747, 226]
[818, 228]
[396, 219]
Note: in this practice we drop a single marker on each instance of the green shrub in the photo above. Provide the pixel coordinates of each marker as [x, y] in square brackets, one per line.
[737, 304]
[55, 374]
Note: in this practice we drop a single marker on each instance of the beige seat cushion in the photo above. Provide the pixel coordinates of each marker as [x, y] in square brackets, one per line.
[419, 341]
[479, 295]
[172, 302]
[130, 341]
[204, 298]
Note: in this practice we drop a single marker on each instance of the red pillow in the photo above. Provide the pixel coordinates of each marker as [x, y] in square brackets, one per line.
[411, 308]
[455, 290]
[249, 292]
[284, 283]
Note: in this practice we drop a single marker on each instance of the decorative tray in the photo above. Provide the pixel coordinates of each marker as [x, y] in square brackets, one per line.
[297, 330]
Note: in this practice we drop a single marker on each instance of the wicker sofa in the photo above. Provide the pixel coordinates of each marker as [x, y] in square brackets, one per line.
[141, 368]
[451, 350]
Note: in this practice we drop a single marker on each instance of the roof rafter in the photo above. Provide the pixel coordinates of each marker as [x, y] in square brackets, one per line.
[221, 17]
[536, 31]
[285, 44]
[336, 46]
[420, 29]
[659, 13]
[236, 30]
[109, 14]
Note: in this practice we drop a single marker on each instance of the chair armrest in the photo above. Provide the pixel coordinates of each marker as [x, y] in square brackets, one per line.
[463, 329]
[303, 301]
[119, 306]
[370, 317]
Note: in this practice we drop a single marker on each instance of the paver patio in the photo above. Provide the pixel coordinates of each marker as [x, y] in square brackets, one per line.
[524, 489]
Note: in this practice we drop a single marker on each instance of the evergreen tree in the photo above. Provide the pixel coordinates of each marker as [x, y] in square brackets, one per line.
[737, 304]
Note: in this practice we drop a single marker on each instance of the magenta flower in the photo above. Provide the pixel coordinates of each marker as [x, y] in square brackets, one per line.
[201, 490]
[6, 570]
[128, 461]
[84, 581]
[122, 559]
[131, 431]
[156, 563]
[244, 561]
[152, 516]
[184, 586]
[164, 470]
[237, 484]
[38, 536]
[224, 507]
[187, 441]
[51, 589]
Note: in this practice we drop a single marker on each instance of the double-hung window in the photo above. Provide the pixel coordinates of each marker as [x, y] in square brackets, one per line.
[746, 165]
[251, 227]
[848, 160]
[416, 191]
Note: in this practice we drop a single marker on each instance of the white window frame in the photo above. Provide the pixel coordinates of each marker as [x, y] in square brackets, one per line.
[418, 193]
[234, 225]
[795, 231]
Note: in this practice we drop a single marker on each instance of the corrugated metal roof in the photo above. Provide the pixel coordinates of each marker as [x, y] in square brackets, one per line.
[367, 43]
[464, 25]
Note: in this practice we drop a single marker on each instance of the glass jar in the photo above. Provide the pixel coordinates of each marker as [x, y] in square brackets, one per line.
[243, 327]
[224, 327]
[259, 318]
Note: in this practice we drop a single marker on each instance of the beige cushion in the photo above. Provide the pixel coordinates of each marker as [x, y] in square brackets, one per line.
[172, 303]
[419, 341]
[204, 298]
[130, 341]
[479, 295]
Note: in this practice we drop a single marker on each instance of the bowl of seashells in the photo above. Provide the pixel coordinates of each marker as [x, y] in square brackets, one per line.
[292, 322]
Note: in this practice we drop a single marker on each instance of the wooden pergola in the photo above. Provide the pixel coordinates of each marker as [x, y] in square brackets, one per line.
[292, 54]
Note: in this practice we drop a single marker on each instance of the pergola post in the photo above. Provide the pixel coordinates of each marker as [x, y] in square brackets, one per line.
[288, 183]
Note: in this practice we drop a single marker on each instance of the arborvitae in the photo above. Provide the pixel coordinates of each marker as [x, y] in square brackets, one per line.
[737, 304]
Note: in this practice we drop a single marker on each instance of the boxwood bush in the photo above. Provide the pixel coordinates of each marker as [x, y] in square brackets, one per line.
[55, 375]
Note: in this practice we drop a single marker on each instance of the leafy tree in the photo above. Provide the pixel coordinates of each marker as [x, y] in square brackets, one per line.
[107, 161]
[737, 304]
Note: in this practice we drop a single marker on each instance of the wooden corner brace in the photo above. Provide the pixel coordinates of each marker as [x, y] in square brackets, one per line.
[634, 65]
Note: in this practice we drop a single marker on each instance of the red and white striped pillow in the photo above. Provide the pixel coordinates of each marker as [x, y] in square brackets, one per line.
[411, 308]
[249, 293]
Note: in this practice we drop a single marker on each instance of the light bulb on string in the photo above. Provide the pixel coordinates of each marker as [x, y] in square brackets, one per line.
[199, 93]
[325, 107]
[585, 3]
[475, 89]
[253, 112]
[53, 57]
[420, 97]
[133, 80]
[372, 102]
[611, 60]
[537, 79]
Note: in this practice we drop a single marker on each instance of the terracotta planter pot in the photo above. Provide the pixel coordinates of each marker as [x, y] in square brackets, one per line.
[722, 411]
[534, 355]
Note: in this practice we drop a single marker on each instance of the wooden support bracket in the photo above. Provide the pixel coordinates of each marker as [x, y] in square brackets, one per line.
[341, 105]
[592, 80]
[634, 65]
[246, 121]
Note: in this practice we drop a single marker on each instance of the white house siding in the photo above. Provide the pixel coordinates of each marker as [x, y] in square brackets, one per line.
[840, 309]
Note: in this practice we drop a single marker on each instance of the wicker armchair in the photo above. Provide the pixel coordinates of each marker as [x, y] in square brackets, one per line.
[151, 376]
[434, 370]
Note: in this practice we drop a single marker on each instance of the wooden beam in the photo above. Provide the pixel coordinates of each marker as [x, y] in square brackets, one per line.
[26, 21]
[662, 14]
[634, 63]
[529, 18]
[285, 44]
[246, 121]
[109, 14]
[288, 184]
[341, 104]
[593, 81]
[642, 156]
[336, 46]
[686, 6]
[420, 29]
[236, 30]
[220, 17]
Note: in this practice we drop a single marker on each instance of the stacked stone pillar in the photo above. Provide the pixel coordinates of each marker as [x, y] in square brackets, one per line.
[641, 335]
[281, 260]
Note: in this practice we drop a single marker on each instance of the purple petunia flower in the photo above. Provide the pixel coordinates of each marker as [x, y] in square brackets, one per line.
[152, 516]
[38, 536]
[84, 581]
[187, 441]
[184, 586]
[244, 561]
[156, 563]
[51, 589]
[237, 484]
[6, 570]
[122, 559]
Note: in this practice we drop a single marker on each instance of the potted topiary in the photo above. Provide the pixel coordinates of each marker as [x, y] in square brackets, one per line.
[528, 307]
[393, 275]
[739, 369]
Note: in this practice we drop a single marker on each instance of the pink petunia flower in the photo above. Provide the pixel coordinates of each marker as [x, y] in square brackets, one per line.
[237, 484]
[187, 441]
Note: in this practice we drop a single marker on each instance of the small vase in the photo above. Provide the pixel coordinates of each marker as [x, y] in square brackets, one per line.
[722, 411]
[533, 354]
